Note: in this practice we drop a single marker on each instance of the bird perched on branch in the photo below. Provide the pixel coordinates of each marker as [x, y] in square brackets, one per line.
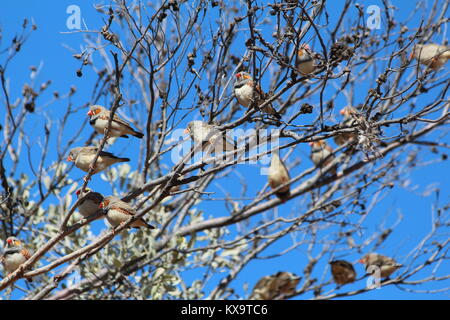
[275, 286]
[279, 175]
[321, 150]
[379, 265]
[432, 55]
[212, 140]
[305, 60]
[342, 271]
[246, 90]
[83, 157]
[14, 255]
[90, 201]
[99, 118]
[348, 112]
[118, 212]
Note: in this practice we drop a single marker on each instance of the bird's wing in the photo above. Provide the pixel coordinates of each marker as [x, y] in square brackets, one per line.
[258, 89]
[107, 154]
[122, 122]
[123, 207]
[26, 253]
[123, 210]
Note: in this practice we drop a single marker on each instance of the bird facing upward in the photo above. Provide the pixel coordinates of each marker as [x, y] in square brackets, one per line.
[305, 60]
[243, 90]
[348, 113]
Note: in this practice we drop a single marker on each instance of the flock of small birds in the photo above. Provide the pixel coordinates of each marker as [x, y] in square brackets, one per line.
[283, 284]
[249, 94]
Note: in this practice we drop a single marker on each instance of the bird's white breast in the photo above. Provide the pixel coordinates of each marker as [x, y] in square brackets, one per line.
[115, 217]
[13, 261]
[306, 67]
[87, 208]
[244, 95]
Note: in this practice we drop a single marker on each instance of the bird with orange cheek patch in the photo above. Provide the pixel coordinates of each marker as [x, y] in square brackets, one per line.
[275, 286]
[244, 88]
[343, 272]
[379, 265]
[305, 60]
[278, 176]
[99, 118]
[321, 150]
[14, 256]
[348, 112]
[432, 55]
[118, 212]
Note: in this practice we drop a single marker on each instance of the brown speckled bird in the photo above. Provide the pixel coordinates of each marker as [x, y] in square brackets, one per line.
[14, 256]
[279, 175]
[118, 212]
[343, 272]
[432, 55]
[275, 286]
[379, 265]
[243, 90]
[99, 118]
[349, 120]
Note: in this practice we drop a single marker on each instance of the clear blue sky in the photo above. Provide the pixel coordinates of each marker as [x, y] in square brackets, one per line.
[48, 47]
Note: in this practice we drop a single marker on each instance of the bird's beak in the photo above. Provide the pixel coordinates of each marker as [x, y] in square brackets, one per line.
[361, 261]
[311, 143]
[411, 55]
[69, 158]
[90, 113]
[101, 205]
[342, 112]
[9, 241]
[187, 130]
